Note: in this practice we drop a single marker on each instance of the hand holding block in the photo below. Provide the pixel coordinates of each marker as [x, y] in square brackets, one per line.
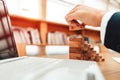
[76, 25]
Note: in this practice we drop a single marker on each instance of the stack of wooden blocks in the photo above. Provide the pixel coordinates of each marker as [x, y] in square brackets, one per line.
[82, 50]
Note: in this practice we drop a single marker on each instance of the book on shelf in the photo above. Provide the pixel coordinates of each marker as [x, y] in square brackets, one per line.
[26, 35]
[34, 36]
[58, 38]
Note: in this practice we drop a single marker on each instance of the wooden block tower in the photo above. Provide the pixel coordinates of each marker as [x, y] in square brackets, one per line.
[82, 50]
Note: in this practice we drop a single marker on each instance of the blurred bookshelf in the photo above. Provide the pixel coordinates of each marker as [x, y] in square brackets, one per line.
[29, 31]
[41, 27]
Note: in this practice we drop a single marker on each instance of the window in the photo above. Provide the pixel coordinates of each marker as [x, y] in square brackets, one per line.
[27, 8]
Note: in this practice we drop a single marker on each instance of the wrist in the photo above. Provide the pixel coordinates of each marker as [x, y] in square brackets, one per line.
[100, 16]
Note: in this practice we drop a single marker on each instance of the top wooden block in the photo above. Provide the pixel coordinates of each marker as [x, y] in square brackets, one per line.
[78, 25]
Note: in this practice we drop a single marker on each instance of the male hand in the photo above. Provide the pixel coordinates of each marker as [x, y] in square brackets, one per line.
[86, 15]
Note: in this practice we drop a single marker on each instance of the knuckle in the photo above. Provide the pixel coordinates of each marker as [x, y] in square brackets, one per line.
[66, 17]
[78, 5]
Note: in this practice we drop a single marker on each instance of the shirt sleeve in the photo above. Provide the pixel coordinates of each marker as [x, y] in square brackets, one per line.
[104, 23]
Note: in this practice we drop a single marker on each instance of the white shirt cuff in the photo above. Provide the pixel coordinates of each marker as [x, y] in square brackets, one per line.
[104, 23]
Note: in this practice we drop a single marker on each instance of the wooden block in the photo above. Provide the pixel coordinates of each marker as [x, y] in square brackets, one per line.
[73, 28]
[78, 26]
[74, 55]
[72, 43]
[73, 50]
[76, 39]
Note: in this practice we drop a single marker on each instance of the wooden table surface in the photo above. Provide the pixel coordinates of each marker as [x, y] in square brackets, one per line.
[109, 68]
